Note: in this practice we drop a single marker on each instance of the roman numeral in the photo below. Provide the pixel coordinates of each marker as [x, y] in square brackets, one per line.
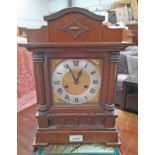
[59, 73]
[56, 82]
[86, 65]
[66, 66]
[60, 91]
[76, 100]
[95, 81]
[92, 91]
[76, 62]
[67, 97]
[93, 72]
[85, 97]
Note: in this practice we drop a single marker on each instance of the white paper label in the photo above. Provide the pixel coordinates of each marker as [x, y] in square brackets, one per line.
[75, 138]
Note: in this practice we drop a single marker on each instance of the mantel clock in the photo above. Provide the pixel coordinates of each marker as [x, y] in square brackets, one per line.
[75, 62]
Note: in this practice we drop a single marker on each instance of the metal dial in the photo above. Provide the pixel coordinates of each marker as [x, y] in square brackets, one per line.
[76, 81]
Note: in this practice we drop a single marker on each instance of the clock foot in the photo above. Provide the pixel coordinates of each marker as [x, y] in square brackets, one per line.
[114, 144]
[36, 145]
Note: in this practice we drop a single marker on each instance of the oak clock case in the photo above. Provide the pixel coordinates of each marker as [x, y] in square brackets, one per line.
[75, 63]
[75, 82]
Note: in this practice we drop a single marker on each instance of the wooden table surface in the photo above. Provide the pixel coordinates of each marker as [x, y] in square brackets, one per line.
[127, 124]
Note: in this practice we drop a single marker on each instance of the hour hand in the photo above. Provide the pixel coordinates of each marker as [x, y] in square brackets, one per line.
[78, 76]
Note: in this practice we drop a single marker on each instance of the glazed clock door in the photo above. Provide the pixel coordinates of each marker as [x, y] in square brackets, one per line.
[75, 81]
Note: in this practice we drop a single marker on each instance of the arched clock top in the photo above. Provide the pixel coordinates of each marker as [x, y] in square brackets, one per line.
[76, 25]
[76, 10]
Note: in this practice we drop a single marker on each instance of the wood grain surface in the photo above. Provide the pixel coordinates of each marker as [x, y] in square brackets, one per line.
[127, 124]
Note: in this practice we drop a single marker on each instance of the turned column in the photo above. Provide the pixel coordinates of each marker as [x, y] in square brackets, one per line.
[38, 60]
[109, 106]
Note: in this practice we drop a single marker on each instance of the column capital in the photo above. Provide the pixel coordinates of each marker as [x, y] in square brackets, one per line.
[38, 57]
[114, 56]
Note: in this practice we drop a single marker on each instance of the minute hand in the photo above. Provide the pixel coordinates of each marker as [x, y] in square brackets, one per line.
[72, 74]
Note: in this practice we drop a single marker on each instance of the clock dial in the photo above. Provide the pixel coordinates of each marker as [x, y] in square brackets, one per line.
[76, 81]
